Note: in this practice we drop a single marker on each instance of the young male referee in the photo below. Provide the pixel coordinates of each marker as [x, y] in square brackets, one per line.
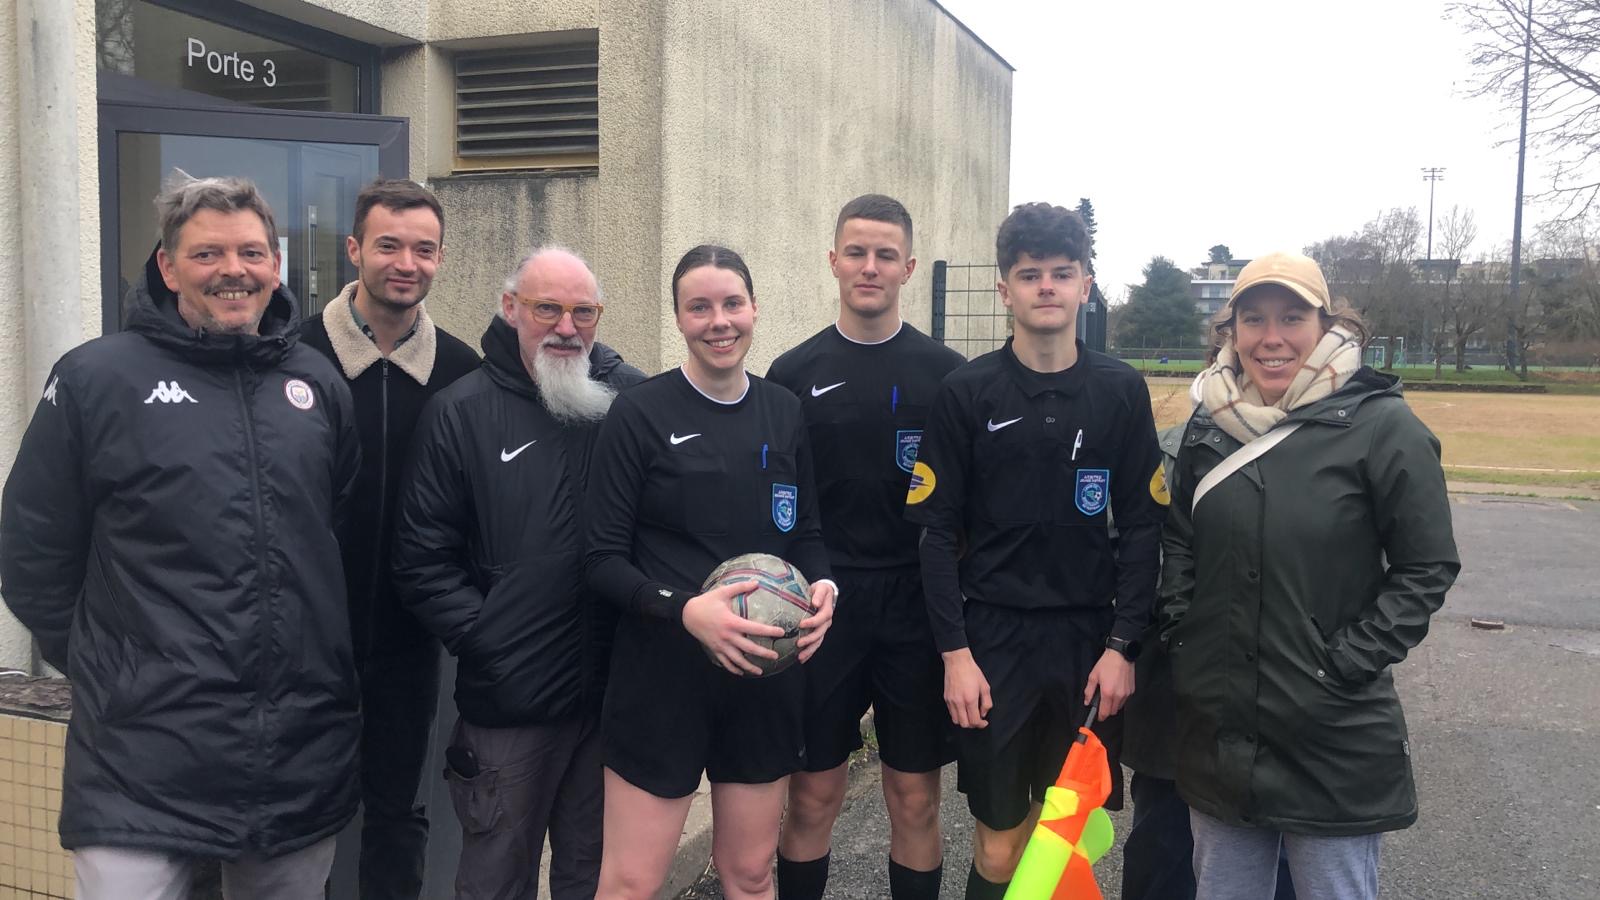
[1026, 450]
[865, 384]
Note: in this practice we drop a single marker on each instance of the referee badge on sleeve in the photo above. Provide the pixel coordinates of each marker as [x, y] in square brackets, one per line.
[922, 483]
[785, 499]
[1158, 486]
[1094, 488]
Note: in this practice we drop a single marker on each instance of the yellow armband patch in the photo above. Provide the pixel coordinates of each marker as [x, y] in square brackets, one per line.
[1158, 486]
[922, 483]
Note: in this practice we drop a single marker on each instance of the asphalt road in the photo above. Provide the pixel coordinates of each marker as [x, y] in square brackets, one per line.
[1503, 730]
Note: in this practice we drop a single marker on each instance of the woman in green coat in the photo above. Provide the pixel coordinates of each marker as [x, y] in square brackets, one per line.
[1291, 583]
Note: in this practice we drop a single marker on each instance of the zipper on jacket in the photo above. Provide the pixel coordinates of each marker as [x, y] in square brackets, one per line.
[263, 629]
[374, 591]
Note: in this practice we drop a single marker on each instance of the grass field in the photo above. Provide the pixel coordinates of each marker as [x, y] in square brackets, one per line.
[1555, 380]
[1510, 439]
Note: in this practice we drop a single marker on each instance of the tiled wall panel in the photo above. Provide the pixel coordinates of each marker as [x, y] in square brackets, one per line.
[32, 863]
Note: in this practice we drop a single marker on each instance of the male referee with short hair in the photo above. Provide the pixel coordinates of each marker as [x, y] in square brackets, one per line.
[865, 385]
[1026, 450]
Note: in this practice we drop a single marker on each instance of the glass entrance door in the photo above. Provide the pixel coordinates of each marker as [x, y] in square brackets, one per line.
[310, 167]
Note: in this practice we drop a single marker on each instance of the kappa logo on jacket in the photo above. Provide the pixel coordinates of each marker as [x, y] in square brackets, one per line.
[169, 393]
[50, 390]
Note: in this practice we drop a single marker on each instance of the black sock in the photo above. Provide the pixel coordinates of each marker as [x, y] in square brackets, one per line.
[980, 888]
[802, 880]
[911, 884]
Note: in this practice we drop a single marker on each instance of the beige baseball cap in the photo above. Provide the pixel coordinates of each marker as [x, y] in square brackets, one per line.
[1298, 273]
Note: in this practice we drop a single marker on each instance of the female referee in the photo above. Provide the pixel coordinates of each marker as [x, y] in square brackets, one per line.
[695, 466]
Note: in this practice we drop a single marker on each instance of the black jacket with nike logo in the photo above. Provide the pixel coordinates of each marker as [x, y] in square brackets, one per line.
[168, 534]
[488, 547]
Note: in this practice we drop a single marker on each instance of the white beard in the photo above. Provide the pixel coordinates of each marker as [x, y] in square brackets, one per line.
[565, 387]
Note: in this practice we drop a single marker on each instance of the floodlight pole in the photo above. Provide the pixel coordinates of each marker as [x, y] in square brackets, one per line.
[1432, 175]
[1516, 228]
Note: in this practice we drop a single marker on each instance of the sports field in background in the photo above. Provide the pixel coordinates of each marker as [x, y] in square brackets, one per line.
[1511, 439]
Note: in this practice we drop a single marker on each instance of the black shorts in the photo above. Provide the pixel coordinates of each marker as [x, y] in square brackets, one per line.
[1036, 662]
[879, 652]
[671, 714]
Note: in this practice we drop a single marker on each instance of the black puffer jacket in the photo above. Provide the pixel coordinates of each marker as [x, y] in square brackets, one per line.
[168, 534]
[488, 547]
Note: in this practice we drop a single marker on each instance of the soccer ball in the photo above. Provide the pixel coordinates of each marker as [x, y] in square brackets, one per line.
[782, 599]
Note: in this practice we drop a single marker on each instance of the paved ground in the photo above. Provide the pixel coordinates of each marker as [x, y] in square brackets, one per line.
[1503, 725]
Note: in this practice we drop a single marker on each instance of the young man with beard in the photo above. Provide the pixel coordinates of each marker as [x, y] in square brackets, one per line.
[489, 556]
[378, 334]
[1027, 450]
[865, 384]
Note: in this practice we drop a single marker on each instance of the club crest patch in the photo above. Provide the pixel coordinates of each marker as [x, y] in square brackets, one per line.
[785, 501]
[922, 483]
[1094, 488]
[906, 443]
[299, 394]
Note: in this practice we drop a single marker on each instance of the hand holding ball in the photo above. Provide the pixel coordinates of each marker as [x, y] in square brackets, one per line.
[748, 616]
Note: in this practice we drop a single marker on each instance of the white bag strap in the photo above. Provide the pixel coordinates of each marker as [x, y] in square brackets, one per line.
[1240, 458]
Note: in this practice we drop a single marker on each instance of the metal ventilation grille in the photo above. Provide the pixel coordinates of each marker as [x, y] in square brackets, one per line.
[534, 108]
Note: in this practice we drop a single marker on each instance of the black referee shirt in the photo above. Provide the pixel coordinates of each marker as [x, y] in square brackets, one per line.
[679, 483]
[865, 408]
[1020, 468]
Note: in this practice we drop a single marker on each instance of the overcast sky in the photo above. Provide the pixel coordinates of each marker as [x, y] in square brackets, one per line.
[1260, 124]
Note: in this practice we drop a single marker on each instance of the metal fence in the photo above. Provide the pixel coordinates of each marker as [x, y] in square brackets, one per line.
[969, 317]
[967, 313]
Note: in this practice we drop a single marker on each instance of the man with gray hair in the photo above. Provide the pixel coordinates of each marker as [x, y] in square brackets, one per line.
[168, 533]
[488, 555]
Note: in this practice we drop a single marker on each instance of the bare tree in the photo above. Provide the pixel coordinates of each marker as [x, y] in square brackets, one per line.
[1478, 301]
[1457, 231]
[1563, 83]
[1393, 297]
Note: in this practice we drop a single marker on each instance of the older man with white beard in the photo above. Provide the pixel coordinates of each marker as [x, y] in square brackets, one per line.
[488, 555]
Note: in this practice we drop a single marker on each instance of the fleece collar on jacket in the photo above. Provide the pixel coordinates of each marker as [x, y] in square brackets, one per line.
[357, 352]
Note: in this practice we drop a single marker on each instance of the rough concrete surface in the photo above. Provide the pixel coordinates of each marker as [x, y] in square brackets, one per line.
[1503, 728]
[776, 112]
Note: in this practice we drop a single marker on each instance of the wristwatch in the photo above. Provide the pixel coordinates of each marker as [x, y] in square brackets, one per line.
[1128, 649]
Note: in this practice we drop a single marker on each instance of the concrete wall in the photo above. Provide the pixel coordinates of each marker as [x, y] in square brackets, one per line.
[612, 218]
[742, 121]
[49, 215]
[14, 408]
[778, 111]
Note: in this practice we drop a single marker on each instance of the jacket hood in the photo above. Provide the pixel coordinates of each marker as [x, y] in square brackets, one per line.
[502, 358]
[153, 313]
[603, 361]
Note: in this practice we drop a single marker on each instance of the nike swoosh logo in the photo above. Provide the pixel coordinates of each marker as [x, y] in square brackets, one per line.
[996, 427]
[508, 457]
[678, 440]
[818, 392]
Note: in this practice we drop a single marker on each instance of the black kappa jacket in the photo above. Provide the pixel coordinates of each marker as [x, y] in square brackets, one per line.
[488, 550]
[168, 534]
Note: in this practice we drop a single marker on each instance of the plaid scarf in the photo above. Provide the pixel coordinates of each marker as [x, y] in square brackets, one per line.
[1236, 405]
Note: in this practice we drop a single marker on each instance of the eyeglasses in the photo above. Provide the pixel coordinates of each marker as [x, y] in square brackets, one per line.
[549, 312]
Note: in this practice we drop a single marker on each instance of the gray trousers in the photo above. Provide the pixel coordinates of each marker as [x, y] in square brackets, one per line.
[1234, 863]
[531, 780]
[120, 873]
